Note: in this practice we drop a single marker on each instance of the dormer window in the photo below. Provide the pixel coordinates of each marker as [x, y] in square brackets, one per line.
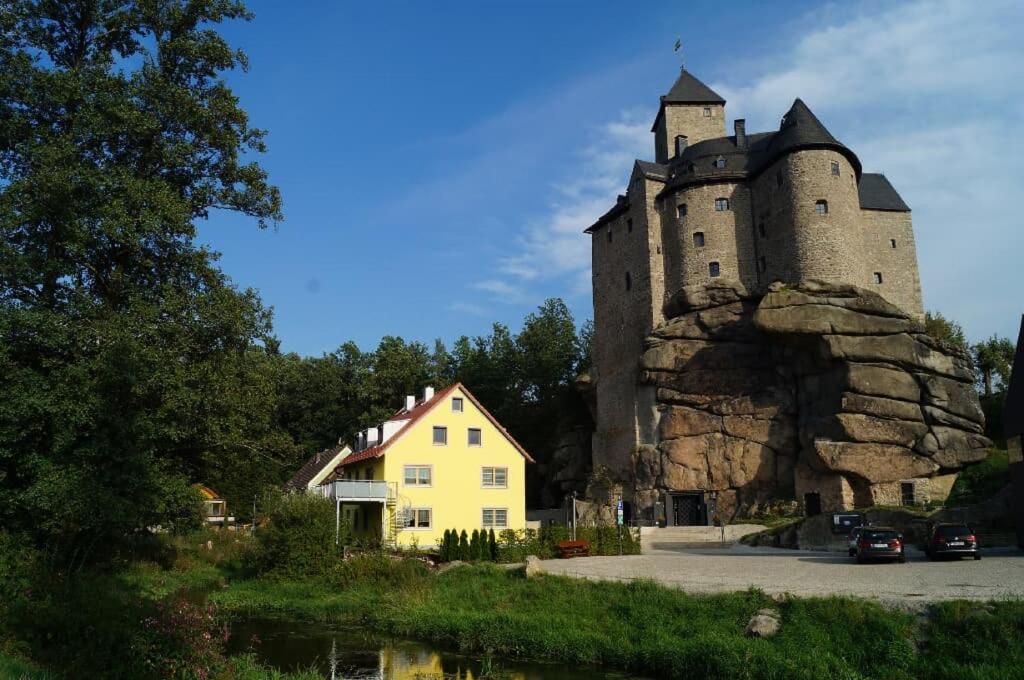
[821, 207]
[719, 162]
[698, 239]
[707, 111]
[721, 204]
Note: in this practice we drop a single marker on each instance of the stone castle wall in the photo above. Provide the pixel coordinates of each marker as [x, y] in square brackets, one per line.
[686, 120]
[897, 263]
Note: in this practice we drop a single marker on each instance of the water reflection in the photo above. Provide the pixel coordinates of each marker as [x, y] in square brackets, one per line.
[346, 654]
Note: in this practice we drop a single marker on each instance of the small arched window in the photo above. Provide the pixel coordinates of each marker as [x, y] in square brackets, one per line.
[721, 204]
[698, 239]
[681, 211]
[714, 269]
[629, 282]
[821, 207]
[878, 277]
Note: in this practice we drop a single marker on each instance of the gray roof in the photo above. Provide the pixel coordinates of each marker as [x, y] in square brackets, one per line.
[1013, 409]
[876, 193]
[312, 468]
[688, 90]
[654, 170]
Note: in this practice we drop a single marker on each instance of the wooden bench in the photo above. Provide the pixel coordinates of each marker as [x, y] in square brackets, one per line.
[568, 549]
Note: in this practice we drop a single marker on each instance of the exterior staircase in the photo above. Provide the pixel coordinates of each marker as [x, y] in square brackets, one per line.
[658, 539]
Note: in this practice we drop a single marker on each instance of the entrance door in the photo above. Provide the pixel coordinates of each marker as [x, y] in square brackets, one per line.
[812, 503]
[686, 509]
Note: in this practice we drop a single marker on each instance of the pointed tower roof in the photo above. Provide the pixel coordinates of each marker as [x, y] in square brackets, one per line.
[1013, 409]
[801, 129]
[688, 90]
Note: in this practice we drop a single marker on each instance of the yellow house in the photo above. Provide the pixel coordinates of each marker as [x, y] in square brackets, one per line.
[439, 463]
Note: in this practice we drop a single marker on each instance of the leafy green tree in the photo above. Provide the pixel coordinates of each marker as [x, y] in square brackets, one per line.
[993, 358]
[131, 364]
[938, 326]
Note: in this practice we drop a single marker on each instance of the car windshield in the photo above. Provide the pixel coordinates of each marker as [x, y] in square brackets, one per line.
[949, 532]
[870, 535]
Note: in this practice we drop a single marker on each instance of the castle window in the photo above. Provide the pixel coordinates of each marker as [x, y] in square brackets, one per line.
[761, 230]
[721, 204]
[835, 168]
[681, 211]
[698, 239]
[878, 277]
[762, 263]
[892, 242]
[778, 178]
[629, 281]
[821, 207]
[707, 111]
[714, 269]
[719, 162]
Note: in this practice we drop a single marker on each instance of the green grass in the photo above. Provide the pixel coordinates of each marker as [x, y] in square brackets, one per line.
[654, 630]
[14, 669]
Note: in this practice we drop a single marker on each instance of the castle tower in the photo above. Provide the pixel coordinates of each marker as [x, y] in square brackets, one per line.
[691, 112]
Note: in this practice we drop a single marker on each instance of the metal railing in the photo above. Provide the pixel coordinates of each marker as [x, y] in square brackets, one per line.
[360, 490]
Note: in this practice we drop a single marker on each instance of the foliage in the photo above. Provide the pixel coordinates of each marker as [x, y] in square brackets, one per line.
[464, 553]
[978, 483]
[941, 328]
[993, 358]
[298, 537]
[383, 570]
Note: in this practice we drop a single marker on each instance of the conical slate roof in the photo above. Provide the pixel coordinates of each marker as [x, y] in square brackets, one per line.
[1013, 410]
[801, 129]
[689, 90]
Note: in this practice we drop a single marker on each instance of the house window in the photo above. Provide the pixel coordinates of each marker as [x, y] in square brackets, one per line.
[778, 178]
[835, 168]
[907, 493]
[892, 242]
[417, 475]
[495, 518]
[761, 230]
[476, 437]
[418, 518]
[495, 478]
[821, 207]
[456, 404]
[762, 263]
[878, 277]
[681, 211]
[707, 111]
[698, 239]
[629, 226]
[714, 269]
[440, 435]
[721, 204]
[214, 508]
[719, 162]
[629, 282]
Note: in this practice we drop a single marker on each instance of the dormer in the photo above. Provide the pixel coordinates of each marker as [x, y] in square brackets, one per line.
[691, 110]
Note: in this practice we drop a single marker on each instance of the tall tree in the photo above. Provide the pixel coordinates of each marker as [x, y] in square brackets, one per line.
[993, 358]
[131, 363]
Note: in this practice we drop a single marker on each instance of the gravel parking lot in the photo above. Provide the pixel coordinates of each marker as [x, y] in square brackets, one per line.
[1000, 574]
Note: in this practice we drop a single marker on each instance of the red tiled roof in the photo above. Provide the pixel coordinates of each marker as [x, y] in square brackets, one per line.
[418, 411]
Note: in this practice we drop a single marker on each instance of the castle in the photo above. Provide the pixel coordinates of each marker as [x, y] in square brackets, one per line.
[788, 206]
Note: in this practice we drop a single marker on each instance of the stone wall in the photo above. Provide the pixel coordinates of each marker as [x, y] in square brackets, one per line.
[689, 120]
[897, 263]
[819, 388]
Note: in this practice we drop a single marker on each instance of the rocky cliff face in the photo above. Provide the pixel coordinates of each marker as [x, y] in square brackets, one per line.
[813, 389]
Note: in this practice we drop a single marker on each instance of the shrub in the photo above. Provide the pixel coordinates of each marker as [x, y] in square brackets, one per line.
[298, 538]
[464, 546]
[378, 570]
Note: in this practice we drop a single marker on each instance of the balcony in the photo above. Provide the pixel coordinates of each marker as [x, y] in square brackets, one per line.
[367, 490]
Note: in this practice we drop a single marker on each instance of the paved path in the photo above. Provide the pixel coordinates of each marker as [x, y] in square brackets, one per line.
[1000, 573]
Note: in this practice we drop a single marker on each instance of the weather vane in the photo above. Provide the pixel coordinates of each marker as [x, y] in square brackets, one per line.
[679, 46]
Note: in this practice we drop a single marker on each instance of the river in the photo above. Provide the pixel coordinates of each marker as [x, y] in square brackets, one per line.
[352, 654]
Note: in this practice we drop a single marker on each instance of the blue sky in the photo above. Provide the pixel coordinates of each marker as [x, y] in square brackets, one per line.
[439, 161]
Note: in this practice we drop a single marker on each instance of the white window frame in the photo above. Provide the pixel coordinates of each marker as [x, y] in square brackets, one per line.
[418, 468]
[433, 435]
[494, 518]
[416, 517]
[493, 470]
[461, 403]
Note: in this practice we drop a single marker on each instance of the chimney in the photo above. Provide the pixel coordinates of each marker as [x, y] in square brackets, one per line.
[410, 402]
[740, 125]
[428, 393]
[680, 145]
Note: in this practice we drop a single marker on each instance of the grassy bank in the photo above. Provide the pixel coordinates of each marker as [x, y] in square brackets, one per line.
[655, 630]
[15, 669]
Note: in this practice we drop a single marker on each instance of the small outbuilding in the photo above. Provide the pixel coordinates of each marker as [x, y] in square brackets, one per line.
[215, 507]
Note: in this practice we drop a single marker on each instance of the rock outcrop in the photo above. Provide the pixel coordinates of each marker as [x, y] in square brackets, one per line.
[813, 389]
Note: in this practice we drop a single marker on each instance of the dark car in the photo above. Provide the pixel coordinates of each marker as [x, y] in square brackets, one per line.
[880, 543]
[952, 540]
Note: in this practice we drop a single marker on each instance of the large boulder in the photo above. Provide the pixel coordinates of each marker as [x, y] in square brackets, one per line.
[820, 388]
